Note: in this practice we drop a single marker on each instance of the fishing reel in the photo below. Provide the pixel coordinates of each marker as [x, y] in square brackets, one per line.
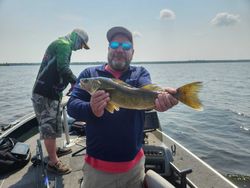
[36, 161]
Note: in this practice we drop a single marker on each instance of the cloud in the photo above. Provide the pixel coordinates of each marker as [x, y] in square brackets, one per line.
[137, 34]
[225, 19]
[166, 14]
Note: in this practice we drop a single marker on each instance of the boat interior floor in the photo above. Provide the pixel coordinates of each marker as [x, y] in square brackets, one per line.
[30, 175]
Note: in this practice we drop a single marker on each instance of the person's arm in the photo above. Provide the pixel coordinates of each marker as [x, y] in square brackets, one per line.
[82, 106]
[63, 55]
[98, 102]
[79, 109]
[166, 100]
[78, 106]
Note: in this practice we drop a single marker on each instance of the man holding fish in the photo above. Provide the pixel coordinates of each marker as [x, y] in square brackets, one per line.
[115, 129]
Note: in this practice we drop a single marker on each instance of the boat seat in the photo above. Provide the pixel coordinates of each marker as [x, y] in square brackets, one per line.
[154, 180]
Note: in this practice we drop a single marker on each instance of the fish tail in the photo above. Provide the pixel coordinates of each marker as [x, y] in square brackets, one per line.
[188, 94]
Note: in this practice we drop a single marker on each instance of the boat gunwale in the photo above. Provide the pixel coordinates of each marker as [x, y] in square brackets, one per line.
[20, 122]
[220, 176]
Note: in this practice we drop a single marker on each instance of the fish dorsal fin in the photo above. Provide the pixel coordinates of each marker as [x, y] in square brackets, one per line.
[111, 107]
[120, 82]
[152, 87]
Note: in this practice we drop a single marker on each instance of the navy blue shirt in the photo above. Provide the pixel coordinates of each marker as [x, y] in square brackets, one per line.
[113, 137]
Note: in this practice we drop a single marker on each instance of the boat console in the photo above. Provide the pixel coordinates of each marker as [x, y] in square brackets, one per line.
[160, 158]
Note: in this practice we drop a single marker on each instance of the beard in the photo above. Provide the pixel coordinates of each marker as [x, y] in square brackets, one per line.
[119, 66]
[116, 65]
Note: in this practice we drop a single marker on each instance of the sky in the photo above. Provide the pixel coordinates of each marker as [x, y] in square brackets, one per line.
[164, 30]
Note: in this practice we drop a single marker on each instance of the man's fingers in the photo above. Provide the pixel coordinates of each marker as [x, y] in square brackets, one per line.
[165, 101]
[171, 90]
[98, 102]
[99, 96]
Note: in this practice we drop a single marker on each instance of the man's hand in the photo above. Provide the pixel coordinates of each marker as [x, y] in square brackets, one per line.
[165, 100]
[98, 102]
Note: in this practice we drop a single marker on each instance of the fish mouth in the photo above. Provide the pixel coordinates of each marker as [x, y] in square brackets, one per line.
[87, 88]
[83, 84]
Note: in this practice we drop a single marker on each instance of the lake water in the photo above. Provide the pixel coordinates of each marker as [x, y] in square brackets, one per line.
[220, 135]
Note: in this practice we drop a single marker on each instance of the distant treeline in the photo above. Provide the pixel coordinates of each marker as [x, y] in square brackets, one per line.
[142, 62]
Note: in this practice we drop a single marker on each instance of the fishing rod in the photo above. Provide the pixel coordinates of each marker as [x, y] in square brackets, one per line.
[39, 160]
[44, 170]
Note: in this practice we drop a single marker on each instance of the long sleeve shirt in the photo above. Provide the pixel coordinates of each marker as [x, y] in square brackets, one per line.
[113, 137]
[54, 73]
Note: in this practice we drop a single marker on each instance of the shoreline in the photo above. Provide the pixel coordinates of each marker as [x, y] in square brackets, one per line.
[141, 62]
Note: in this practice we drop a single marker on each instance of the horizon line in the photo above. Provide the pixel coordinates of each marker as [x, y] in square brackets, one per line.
[138, 62]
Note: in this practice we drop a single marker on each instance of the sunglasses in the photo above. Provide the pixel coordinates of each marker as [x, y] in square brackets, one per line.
[124, 45]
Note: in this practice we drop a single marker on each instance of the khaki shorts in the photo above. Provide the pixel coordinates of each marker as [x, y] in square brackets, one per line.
[49, 116]
[93, 178]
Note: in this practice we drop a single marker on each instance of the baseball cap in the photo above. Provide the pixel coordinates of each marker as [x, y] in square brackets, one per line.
[84, 36]
[119, 30]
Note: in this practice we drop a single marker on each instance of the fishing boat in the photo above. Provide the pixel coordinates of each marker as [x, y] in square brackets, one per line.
[168, 163]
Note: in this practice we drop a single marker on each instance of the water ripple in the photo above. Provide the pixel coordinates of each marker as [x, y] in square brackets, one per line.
[219, 134]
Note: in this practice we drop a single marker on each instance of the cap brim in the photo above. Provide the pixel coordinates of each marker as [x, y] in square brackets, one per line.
[85, 46]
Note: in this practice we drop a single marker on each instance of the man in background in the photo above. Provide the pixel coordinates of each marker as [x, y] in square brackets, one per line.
[53, 77]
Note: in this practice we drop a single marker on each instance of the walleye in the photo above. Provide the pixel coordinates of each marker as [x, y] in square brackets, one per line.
[122, 95]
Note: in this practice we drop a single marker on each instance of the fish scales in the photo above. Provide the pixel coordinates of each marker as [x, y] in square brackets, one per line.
[123, 95]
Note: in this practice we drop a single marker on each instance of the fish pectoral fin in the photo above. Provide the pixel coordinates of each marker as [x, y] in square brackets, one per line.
[111, 107]
[152, 87]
